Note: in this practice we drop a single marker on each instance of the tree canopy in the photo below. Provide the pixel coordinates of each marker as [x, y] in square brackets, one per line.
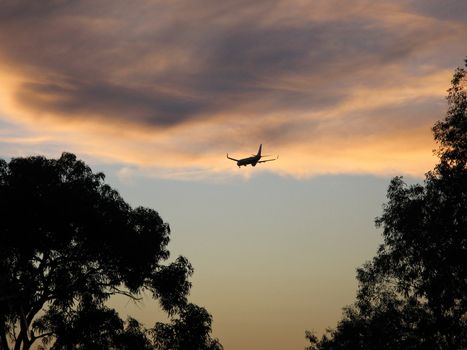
[189, 331]
[68, 242]
[413, 293]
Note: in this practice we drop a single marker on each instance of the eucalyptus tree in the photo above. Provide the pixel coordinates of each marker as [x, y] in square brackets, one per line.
[68, 242]
[413, 293]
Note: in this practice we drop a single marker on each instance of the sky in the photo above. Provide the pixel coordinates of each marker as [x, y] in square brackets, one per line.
[155, 93]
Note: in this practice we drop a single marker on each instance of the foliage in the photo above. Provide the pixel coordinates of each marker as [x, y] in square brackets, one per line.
[92, 326]
[189, 331]
[68, 242]
[413, 294]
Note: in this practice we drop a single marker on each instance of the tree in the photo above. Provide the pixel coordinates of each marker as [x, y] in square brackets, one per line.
[189, 331]
[413, 293]
[92, 326]
[68, 242]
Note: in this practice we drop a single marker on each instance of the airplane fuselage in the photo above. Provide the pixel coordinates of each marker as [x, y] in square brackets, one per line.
[249, 161]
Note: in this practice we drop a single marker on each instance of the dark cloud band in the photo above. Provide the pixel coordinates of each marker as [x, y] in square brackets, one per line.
[164, 64]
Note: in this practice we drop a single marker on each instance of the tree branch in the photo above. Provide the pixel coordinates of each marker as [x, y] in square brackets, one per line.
[115, 290]
[35, 337]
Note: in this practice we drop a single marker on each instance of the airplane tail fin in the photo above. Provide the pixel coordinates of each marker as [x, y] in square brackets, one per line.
[259, 150]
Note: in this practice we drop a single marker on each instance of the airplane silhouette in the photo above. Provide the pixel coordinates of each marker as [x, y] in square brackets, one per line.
[253, 160]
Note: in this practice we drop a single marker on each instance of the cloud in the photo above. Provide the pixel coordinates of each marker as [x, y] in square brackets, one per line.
[174, 85]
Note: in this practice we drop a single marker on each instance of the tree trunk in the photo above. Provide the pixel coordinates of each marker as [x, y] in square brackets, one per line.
[3, 338]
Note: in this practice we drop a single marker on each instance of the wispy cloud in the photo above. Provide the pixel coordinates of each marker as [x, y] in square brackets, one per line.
[334, 87]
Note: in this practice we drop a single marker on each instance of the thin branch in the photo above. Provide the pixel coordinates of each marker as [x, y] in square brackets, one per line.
[115, 290]
[35, 337]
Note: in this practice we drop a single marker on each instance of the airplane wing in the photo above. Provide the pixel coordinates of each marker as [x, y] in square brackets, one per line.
[268, 160]
[232, 158]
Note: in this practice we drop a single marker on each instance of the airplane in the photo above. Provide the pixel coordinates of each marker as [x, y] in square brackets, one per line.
[253, 160]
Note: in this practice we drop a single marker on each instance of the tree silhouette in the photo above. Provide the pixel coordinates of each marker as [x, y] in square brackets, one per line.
[413, 293]
[92, 326]
[68, 242]
[189, 331]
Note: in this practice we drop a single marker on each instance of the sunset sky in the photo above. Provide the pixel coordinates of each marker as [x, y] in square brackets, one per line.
[155, 93]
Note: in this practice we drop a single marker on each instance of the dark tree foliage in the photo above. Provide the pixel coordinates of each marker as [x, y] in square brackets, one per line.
[68, 242]
[92, 326]
[413, 294]
[190, 330]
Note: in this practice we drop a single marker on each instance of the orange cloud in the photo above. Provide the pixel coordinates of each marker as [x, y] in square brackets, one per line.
[348, 90]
